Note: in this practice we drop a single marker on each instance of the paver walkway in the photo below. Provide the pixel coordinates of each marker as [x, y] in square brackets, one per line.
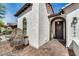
[52, 48]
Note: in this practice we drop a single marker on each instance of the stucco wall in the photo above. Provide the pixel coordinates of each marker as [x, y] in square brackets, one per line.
[44, 29]
[37, 24]
[76, 48]
[70, 38]
[32, 24]
[69, 18]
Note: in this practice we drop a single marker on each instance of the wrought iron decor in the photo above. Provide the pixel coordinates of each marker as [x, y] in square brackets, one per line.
[73, 25]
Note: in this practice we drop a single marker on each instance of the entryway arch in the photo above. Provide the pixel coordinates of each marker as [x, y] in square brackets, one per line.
[58, 28]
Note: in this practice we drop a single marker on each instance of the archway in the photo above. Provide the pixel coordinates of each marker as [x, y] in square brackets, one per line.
[58, 28]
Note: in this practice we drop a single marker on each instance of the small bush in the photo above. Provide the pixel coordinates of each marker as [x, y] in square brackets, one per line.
[7, 32]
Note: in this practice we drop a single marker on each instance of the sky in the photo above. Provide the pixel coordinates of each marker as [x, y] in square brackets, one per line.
[12, 8]
[57, 6]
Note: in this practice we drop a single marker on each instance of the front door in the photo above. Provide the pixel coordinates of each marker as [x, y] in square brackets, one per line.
[59, 29]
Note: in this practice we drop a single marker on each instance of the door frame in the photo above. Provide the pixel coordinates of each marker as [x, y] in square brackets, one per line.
[55, 18]
[56, 29]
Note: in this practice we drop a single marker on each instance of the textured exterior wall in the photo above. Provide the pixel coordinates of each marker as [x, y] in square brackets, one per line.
[70, 38]
[69, 18]
[37, 24]
[76, 48]
[44, 29]
[32, 24]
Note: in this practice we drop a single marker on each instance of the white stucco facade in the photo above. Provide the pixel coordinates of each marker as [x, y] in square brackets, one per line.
[37, 24]
[40, 29]
[44, 24]
[70, 34]
[70, 12]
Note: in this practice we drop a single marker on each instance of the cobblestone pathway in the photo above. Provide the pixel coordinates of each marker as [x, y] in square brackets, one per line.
[52, 48]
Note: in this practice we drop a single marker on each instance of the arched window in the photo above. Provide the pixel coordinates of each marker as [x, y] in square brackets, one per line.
[24, 26]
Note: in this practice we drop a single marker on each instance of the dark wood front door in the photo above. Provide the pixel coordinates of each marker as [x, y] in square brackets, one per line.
[59, 29]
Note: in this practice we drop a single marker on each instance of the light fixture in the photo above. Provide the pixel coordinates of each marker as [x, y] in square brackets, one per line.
[58, 22]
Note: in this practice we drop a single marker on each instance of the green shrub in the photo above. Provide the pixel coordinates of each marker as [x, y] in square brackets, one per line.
[6, 32]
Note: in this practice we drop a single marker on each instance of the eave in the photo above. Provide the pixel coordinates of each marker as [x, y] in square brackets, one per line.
[27, 5]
